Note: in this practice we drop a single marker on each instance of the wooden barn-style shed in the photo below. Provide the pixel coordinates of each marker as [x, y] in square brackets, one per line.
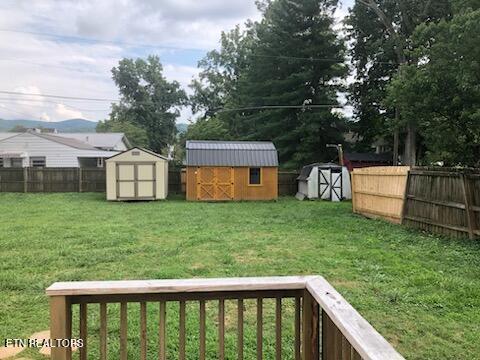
[137, 174]
[231, 170]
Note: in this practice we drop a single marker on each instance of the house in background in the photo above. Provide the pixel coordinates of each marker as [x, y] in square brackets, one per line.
[35, 149]
[359, 160]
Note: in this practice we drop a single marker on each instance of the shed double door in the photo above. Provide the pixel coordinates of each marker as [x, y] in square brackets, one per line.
[136, 181]
[215, 183]
[330, 185]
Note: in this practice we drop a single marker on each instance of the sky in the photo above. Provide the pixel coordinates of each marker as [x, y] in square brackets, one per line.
[68, 47]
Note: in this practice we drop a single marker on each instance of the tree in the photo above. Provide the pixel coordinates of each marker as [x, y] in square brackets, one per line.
[148, 100]
[221, 69]
[297, 59]
[135, 134]
[441, 89]
[380, 31]
[207, 129]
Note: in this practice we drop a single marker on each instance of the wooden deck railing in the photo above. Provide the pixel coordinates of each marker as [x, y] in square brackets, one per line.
[324, 324]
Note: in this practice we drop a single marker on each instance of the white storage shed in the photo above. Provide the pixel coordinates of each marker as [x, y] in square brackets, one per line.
[326, 181]
[137, 174]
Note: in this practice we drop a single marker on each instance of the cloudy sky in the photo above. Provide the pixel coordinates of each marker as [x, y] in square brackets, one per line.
[67, 48]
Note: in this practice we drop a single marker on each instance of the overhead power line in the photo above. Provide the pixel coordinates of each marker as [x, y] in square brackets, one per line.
[171, 47]
[22, 102]
[58, 96]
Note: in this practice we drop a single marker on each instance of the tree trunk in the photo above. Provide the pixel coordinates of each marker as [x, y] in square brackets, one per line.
[395, 147]
[411, 145]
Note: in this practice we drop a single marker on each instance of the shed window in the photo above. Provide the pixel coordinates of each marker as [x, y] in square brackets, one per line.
[37, 161]
[100, 162]
[16, 162]
[1, 162]
[255, 177]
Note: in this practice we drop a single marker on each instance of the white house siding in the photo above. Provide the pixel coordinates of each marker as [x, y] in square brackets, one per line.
[57, 155]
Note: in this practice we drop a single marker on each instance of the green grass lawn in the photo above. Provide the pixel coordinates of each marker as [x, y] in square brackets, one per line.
[420, 291]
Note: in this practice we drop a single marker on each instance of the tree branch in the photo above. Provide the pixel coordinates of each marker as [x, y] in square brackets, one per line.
[371, 4]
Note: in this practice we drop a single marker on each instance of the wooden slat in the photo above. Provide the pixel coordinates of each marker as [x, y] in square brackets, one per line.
[378, 194]
[83, 331]
[434, 223]
[60, 325]
[469, 214]
[123, 331]
[177, 286]
[103, 331]
[194, 296]
[346, 349]
[297, 327]
[259, 329]
[221, 329]
[143, 331]
[202, 331]
[310, 329]
[162, 336]
[181, 349]
[278, 328]
[359, 333]
[240, 330]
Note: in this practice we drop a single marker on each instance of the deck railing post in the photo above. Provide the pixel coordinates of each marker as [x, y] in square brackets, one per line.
[60, 326]
[310, 328]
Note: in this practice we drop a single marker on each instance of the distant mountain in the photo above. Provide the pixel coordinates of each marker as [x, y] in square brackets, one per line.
[72, 125]
[65, 126]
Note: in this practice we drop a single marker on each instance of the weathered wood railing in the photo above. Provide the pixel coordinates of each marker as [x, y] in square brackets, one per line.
[325, 325]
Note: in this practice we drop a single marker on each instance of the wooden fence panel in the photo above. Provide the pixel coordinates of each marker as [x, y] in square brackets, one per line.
[287, 183]
[52, 180]
[379, 191]
[443, 201]
[92, 180]
[11, 180]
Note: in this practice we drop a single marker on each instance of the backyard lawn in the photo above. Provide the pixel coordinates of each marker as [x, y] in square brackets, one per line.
[420, 291]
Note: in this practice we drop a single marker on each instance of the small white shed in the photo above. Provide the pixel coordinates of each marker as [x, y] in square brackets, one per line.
[137, 174]
[325, 181]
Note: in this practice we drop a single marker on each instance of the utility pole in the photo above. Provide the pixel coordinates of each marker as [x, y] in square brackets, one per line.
[339, 148]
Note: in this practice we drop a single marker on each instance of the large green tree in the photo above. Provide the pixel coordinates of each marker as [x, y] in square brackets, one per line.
[296, 60]
[148, 100]
[380, 33]
[441, 91]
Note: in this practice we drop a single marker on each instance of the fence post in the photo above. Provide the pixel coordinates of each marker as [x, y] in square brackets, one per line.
[79, 174]
[25, 179]
[311, 338]
[405, 197]
[468, 196]
[60, 326]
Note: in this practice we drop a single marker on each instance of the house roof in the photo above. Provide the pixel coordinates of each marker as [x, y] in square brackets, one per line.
[103, 140]
[66, 141]
[307, 169]
[231, 153]
[369, 157]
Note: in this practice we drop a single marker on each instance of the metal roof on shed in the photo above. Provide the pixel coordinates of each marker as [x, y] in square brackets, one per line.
[231, 153]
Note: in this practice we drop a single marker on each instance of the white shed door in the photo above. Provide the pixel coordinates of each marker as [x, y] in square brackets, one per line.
[136, 181]
[324, 188]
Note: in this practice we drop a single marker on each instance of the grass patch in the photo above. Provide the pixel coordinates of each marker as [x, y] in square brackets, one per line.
[420, 291]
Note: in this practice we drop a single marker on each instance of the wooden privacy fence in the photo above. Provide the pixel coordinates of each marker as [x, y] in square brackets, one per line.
[206, 312]
[93, 180]
[440, 200]
[379, 191]
[52, 179]
[445, 201]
